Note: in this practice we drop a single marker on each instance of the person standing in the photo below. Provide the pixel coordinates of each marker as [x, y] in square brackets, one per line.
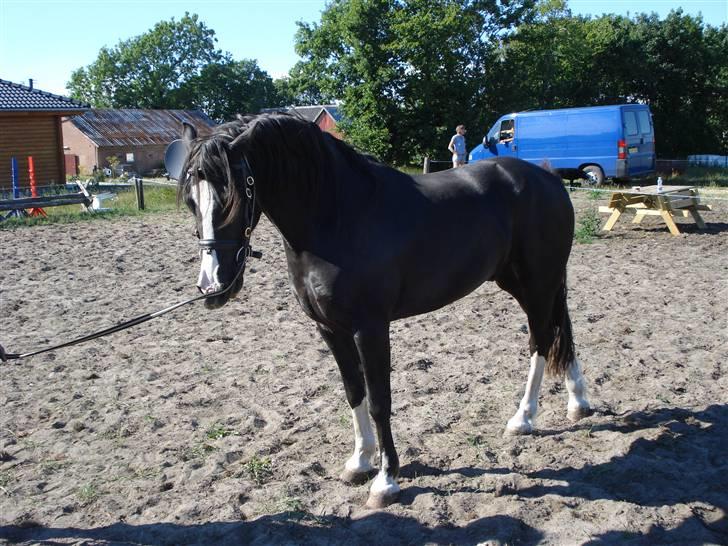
[457, 147]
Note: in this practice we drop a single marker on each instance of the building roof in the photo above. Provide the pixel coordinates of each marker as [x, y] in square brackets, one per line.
[136, 127]
[312, 113]
[15, 97]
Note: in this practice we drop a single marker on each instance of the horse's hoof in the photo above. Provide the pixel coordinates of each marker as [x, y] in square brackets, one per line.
[377, 501]
[578, 412]
[522, 428]
[354, 477]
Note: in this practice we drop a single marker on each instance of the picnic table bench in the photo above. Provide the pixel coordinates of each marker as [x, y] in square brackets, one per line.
[666, 202]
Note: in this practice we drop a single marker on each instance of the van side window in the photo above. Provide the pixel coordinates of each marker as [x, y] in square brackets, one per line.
[643, 117]
[507, 130]
[630, 124]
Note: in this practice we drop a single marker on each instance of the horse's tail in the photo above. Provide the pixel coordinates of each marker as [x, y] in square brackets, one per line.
[561, 353]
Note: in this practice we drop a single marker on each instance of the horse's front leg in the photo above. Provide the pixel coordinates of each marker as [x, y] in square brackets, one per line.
[358, 468]
[373, 346]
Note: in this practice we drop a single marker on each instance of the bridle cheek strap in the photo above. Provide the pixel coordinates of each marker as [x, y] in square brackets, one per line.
[243, 245]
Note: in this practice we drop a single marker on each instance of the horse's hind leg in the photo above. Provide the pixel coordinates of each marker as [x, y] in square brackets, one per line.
[358, 468]
[522, 420]
[578, 406]
[550, 327]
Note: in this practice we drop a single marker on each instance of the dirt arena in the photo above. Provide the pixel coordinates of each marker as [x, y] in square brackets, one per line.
[231, 426]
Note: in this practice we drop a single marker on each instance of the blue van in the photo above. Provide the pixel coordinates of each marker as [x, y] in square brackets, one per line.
[602, 141]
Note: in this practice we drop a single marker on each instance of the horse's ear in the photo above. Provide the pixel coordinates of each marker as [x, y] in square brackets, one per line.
[189, 133]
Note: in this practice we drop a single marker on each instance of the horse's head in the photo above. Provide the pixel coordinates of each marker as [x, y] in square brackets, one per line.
[217, 186]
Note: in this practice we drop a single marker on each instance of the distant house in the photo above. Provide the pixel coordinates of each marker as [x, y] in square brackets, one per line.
[30, 126]
[137, 138]
[326, 116]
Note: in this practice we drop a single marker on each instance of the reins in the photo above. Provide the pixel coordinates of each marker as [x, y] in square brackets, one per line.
[241, 258]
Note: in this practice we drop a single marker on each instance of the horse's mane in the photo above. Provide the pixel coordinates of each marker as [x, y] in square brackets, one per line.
[280, 149]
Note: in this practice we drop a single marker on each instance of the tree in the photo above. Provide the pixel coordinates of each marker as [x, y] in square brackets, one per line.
[676, 65]
[228, 87]
[407, 71]
[148, 70]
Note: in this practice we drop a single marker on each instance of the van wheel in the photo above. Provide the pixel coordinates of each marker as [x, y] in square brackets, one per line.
[594, 175]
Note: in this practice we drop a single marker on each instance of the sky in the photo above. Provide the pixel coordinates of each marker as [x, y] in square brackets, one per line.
[47, 39]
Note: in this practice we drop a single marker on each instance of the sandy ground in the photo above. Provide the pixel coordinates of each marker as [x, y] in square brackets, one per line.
[231, 426]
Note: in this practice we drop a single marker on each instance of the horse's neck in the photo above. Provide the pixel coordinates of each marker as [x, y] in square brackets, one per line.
[303, 219]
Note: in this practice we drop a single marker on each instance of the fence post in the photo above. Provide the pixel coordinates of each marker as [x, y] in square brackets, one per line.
[14, 177]
[426, 166]
[139, 186]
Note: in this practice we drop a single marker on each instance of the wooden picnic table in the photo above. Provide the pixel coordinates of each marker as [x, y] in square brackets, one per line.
[648, 201]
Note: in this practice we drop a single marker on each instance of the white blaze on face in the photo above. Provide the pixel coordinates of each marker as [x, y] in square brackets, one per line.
[208, 280]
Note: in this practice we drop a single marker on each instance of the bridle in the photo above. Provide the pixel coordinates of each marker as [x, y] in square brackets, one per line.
[244, 252]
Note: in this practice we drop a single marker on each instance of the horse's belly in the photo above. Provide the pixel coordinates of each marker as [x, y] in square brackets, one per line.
[442, 285]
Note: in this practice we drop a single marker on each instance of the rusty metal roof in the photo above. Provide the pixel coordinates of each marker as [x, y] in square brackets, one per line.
[136, 127]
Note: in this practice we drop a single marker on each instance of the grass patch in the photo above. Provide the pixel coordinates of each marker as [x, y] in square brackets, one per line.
[87, 493]
[700, 176]
[588, 227]
[156, 199]
[217, 431]
[259, 469]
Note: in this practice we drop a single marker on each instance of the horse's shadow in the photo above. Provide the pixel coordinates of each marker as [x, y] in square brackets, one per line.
[686, 462]
[688, 448]
[290, 528]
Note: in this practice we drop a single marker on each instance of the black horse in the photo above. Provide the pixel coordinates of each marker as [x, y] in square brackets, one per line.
[367, 244]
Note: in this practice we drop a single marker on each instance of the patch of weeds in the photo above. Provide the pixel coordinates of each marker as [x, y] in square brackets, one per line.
[199, 451]
[4, 478]
[290, 504]
[88, 493]
[217, 431]
[144, 473]
[475, 440]
[48, 466]
[589, 225]
[152, 422]
[663, 399]
[259, 469]
[344, 420]
[594, 195]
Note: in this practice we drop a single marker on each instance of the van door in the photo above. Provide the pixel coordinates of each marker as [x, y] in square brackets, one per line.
[505, 143]
[640, 140]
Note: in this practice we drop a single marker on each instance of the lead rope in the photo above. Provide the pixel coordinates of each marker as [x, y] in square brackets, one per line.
[246, 251]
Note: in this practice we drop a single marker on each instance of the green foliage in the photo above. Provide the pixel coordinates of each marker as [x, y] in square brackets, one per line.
[149, 70]
[217, 431]
[227, 87]
[156, 199]
[407, 72]
[174, 65]
[589, 226]
[259, 469]
[674, 65]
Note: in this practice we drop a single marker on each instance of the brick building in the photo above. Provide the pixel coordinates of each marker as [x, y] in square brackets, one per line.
[137, 138]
